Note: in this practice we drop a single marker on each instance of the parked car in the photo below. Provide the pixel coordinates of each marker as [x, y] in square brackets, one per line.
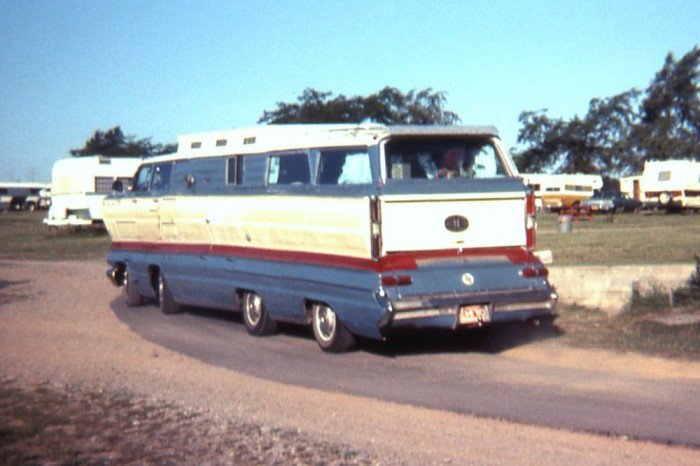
[611, 201]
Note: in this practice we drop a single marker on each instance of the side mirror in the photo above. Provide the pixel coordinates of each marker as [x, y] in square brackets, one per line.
[189, 181]
[118, 186]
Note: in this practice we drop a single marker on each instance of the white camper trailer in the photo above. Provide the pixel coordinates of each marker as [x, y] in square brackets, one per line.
[78, 185]
[671, 184]
[556, 192]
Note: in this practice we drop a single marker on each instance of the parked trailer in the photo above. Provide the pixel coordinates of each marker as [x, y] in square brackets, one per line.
[556, 192]
[79, 184]
[22, 196]
[353, 230]
[671, 184]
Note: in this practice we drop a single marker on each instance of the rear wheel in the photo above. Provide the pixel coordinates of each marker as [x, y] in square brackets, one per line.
[331, 335]
[256, 318]
[133, 297]
[166, 302]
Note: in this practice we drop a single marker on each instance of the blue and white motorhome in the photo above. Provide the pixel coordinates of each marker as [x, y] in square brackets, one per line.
[356, 230]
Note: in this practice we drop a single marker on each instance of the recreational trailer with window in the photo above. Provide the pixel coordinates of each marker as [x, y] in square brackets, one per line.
[671, 184]
[22, 196]
[353, 230]
[79, 184]
[556, 192]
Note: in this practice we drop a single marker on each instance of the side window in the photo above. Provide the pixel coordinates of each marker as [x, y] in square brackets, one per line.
[344, 167]
[665, 176]
[252, 170]
[289, 169]
[103, 184]
[161, 177]
[142, 178]
[232, 176]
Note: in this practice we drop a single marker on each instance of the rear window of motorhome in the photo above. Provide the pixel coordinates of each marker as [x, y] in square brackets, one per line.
[416, 158]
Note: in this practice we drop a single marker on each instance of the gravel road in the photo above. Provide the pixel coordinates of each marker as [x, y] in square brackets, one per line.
[77, 386]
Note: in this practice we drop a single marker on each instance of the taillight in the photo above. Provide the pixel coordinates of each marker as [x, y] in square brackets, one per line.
[530, 222]
[531, 272]
[397, 280]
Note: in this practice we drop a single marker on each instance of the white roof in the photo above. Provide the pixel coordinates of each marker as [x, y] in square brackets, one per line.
[261, 139]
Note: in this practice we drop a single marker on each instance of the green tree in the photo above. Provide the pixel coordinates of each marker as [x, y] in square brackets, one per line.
[670, 111]
[114, 143]
[618, 134]
[388, 106]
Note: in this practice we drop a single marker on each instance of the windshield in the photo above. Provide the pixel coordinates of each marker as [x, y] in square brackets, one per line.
[431, 158]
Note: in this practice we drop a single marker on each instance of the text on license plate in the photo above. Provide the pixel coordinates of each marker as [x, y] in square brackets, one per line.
[474, 314]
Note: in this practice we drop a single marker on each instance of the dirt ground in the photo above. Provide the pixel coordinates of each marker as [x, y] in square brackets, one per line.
[78, 387]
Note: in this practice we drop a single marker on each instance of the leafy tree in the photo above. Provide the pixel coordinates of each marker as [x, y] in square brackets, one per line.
[115, 143]
[670, 114]
[388, 106]
[618, 134]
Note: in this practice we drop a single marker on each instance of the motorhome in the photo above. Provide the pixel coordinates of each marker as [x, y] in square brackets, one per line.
[23, 196]
[354, 230]
[671, 184]
[556, 192]
[79, 184]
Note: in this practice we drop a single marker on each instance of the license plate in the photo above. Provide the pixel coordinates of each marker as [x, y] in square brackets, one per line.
[474, 314]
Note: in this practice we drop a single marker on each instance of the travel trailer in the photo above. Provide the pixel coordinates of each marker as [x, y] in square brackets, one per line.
[556, 192]
[79, 184]
[670, 184]
[23, 196]
[354, 230]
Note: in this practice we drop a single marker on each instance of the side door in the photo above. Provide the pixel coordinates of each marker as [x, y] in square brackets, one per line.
[121, 213]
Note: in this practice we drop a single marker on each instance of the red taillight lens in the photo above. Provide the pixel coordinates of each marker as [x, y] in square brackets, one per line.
[530, 223]
[397, 280]
[531, 272]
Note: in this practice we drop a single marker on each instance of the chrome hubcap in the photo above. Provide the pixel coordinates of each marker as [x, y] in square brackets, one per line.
[253, 308]
[325, 322]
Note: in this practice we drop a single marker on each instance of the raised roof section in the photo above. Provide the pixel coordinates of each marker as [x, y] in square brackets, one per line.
[261, 139]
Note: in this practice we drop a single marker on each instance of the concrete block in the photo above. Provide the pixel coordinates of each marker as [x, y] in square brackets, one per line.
[610, 288]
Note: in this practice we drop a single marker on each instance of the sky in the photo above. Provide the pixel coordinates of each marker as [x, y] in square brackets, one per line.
[163, 68]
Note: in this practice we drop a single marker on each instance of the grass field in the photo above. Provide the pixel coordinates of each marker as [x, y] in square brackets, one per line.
[23, 236]
[654, 238]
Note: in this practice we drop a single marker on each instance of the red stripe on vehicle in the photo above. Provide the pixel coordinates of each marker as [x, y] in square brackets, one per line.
[390, 262]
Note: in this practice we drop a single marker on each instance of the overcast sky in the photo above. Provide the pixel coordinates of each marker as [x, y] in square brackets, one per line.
[163, 68]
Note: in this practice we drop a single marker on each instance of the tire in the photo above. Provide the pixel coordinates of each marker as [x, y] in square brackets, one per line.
[133, 297]
[256, 318]
[166, 302]
[331, 335]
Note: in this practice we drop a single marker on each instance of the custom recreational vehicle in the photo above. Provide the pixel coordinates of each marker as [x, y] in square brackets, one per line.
[671, 184]
[354, 230]
[79, 184]
[556, 192]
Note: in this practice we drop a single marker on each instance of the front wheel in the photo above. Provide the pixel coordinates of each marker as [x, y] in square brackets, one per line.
[331, 335]
[166, 302]
[256, 318]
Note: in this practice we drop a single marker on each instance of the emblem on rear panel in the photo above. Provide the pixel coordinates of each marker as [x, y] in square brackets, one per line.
[456, 223]
[468, 279]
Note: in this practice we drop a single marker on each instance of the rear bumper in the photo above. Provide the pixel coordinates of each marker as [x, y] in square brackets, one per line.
[444, 311]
